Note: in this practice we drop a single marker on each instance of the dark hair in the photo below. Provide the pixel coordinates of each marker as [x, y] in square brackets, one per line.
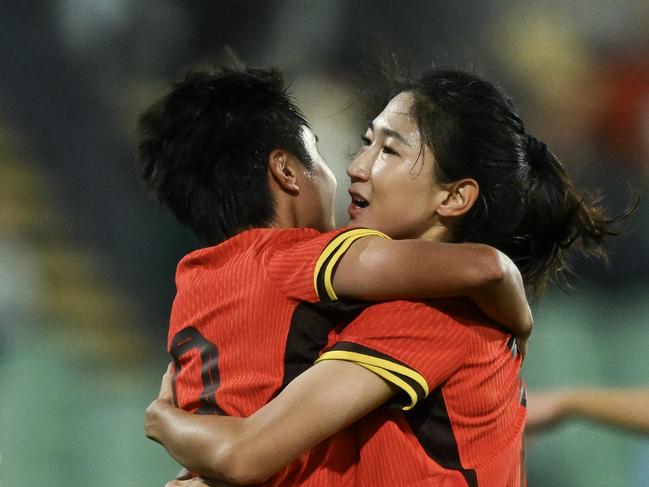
[203, 148]
[527, 206]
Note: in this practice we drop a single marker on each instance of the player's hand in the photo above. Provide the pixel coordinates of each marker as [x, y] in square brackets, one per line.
[183, 474]
[166, 386]
[197, 482]
[521, 343]
[545, 409]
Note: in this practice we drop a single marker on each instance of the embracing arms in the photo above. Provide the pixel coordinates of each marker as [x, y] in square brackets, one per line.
[333, 394]
[321, 401]
[377, 269]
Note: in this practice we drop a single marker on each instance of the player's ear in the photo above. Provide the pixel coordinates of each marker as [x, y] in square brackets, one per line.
[283, 168]
[459, 197]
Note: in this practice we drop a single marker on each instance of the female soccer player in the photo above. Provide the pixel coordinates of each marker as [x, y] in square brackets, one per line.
[448, 160]
[231, 156]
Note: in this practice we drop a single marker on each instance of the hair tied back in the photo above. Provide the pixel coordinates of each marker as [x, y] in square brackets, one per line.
[536, 152]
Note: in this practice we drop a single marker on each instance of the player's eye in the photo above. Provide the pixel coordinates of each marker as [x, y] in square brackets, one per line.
[366, 140]
[389, 150]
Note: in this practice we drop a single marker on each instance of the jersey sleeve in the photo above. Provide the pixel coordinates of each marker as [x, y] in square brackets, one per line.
[304, 270]
[412, 345]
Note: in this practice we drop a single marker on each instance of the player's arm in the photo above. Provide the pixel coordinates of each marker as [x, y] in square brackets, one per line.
[622, 408]
[376, 269]
[195, 482]
[319, 402]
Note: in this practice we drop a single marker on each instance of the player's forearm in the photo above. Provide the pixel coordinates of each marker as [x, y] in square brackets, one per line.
[628, 409]
[503, 299]
[202, 444]
[321, 401]
[379, 269]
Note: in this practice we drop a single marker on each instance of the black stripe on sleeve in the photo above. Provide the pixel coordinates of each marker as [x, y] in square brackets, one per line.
[401, 399]
[320, 278]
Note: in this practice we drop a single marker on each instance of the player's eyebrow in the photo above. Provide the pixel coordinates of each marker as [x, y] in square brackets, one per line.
[389, 133]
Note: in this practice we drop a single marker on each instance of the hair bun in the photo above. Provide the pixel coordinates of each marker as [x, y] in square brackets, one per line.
[536, 151]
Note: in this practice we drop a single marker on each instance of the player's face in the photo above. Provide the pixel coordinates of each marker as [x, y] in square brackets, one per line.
[392, 181]
[318, 188]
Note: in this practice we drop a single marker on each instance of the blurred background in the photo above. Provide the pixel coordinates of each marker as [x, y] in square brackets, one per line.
[87, 260]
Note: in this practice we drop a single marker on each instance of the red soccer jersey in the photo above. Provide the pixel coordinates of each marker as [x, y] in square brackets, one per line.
[248, 318]
[464, 398]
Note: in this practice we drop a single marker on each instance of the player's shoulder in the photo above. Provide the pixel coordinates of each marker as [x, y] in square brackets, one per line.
[272, 237]
[306, 242]
[456, 319]
[433, 308]
[451, 311]
[249, 241]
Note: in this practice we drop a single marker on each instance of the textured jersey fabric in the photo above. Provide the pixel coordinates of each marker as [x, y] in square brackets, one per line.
[459, 417]
[248, 318]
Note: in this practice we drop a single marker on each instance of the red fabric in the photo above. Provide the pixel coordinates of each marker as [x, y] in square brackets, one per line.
[469, 365]
[240, 296]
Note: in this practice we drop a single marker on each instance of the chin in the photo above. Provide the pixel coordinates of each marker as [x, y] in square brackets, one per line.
[353, 224]
[363, 222]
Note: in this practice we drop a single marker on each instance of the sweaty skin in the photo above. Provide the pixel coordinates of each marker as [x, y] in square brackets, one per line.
[318, 403]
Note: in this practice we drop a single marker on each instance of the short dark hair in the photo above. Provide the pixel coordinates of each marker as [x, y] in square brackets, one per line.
[203, 148]
[527, 206]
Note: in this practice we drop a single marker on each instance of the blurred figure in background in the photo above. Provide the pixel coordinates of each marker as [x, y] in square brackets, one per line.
[627, 409]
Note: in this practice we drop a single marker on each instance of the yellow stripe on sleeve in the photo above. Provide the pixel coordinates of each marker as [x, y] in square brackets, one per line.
[383, 368]
[336, 249]
[397, 381]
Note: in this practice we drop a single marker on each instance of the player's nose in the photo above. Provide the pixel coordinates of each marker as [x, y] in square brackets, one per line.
[359, 168]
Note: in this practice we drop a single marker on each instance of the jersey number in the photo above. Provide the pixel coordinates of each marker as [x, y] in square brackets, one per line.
[189, 339]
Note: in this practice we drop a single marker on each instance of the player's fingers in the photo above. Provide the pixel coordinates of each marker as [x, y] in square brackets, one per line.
[184, 474]
[167, 377]
[522, 346]
[166, 385]
[195, 482]
[170, 369]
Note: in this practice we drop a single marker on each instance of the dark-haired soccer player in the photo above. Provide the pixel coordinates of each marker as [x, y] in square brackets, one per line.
[232, 157]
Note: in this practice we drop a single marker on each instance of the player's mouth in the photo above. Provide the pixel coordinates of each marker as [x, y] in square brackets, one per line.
[357, 205]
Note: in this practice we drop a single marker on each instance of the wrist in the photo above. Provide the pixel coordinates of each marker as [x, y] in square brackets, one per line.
[153, 419]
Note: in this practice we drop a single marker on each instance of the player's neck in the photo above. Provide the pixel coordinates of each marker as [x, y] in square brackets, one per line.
[286, 215]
